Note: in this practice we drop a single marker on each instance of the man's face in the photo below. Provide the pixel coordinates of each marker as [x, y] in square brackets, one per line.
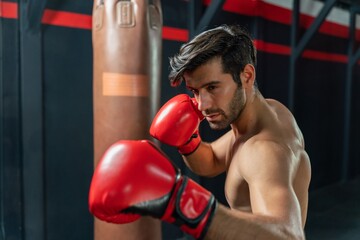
[220, 99]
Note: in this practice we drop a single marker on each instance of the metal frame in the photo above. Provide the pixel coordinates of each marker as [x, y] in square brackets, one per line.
[352, 59]
[2, 230]
[11, 216]
[199, 22]
[298, 48]
[31, 83]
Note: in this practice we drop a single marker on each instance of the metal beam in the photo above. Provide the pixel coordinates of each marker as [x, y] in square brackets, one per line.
[32, 118]
[298, 48]
[356, 55]
[32, 14]
[195, 13]
[2, 113]
[314, 27]
[211, 11]
[11, 218]
[209, 14]
[352, 59]
[293, 57]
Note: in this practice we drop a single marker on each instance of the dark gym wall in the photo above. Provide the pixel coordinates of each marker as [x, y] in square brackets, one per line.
[66, 76]
[10, 134]
[67, 131]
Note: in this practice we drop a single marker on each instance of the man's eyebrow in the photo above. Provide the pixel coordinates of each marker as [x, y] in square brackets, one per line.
[204, 85]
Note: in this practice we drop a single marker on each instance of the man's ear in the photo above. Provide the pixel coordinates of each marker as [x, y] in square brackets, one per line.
[248, 76]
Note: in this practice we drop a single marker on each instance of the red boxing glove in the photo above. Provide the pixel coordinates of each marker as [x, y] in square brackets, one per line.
[177, 124]
[135, 178]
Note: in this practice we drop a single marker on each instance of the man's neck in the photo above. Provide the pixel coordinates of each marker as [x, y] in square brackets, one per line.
[250, 120]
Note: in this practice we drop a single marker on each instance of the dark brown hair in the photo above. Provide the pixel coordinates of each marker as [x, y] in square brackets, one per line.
[231, 43]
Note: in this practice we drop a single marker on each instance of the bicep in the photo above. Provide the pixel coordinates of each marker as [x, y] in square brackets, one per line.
[275, 200]
[210, 158]
[221, 147]
[270, 183]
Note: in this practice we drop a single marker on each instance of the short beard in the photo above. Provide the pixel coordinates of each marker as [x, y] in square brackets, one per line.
[236, 107]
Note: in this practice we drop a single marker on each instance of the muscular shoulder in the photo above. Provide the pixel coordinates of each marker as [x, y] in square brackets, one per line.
[285, 127]
[259, 159]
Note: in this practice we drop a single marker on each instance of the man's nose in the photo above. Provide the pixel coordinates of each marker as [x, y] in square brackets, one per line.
[203, 102]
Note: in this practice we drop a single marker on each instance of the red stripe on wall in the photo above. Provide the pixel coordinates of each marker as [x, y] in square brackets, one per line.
[329, 28]
[324, 56]
[8, 10]
[311, 54]
[282, 15]
[249, 7]
[67, 19]
[83, 21]
[182, 35]
[256, 8]
[175, 34]
[272, 47]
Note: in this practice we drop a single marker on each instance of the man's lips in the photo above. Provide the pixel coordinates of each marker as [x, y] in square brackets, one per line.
[212, 116]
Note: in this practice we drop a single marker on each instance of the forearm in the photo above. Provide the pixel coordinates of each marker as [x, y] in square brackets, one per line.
[203, 162]
[232, 224]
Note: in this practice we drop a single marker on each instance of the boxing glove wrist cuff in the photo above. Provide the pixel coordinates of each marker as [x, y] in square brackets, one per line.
[191, 208]
[191, 145]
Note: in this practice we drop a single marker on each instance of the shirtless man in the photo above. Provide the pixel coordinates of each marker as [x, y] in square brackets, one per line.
[267, 169]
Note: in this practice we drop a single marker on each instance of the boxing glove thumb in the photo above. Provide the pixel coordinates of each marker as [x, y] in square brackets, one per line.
[177, 123]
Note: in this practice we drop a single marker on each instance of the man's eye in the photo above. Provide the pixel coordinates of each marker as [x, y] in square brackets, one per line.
[194, 91]
[211, 88]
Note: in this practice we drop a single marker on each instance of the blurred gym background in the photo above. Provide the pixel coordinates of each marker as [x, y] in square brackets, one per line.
[308, 58]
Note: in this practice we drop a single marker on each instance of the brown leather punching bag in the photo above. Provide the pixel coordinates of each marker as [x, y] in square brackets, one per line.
[126, 88]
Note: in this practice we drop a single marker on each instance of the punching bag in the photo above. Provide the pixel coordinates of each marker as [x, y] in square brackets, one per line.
[127, 47]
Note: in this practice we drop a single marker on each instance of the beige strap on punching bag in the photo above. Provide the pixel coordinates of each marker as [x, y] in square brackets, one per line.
[126, 87]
